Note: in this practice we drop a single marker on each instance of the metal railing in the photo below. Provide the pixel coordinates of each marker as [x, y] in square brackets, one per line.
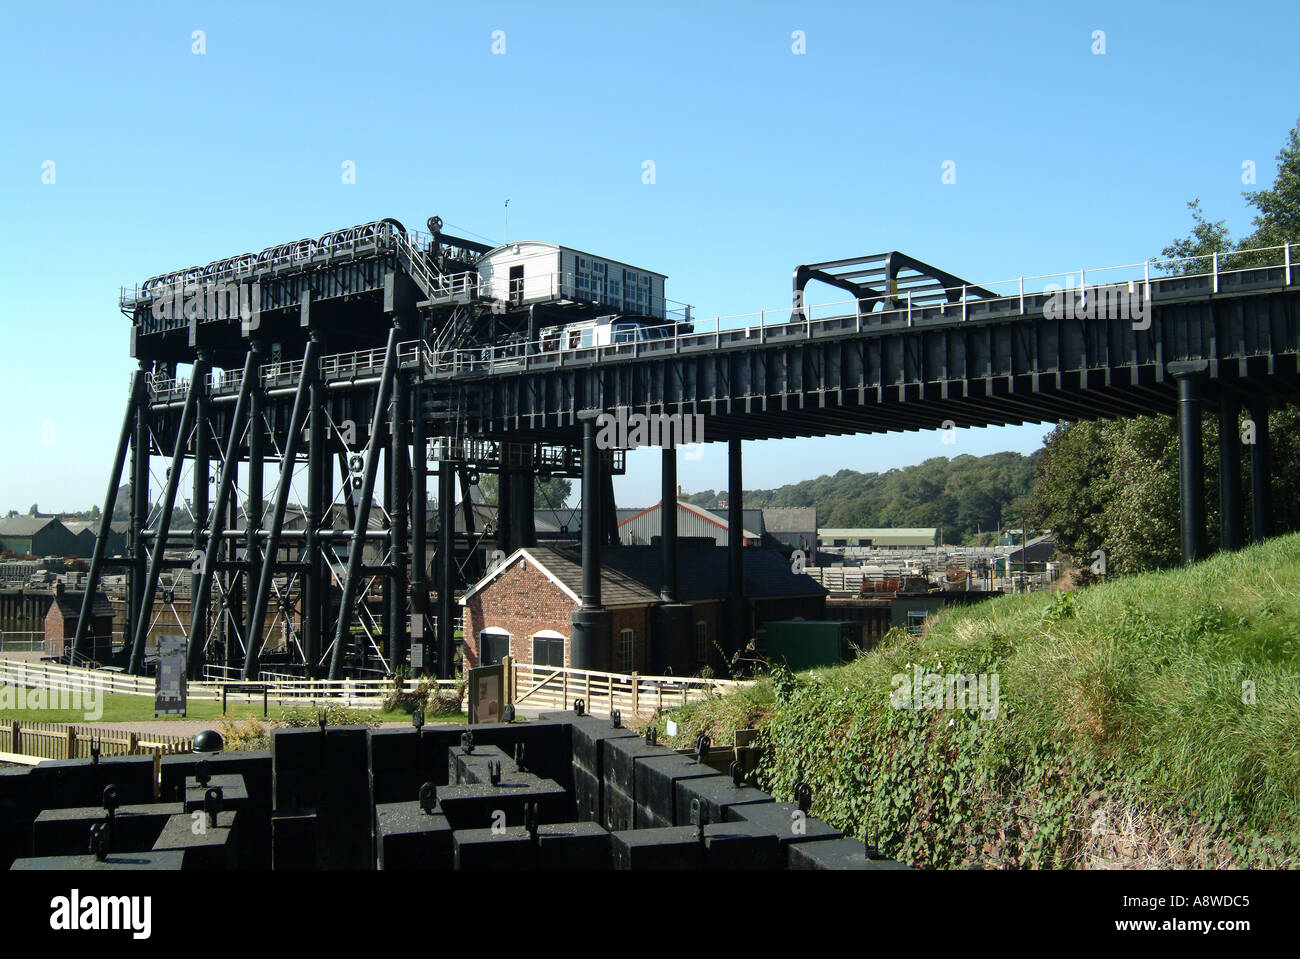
[22, 641]
[847, 315]
[376, 235]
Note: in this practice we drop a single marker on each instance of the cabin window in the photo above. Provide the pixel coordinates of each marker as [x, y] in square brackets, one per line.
[702, 642]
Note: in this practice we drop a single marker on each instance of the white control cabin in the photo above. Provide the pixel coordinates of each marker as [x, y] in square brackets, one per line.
[533, 272]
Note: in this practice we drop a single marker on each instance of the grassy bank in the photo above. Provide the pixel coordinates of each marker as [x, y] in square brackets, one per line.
[1150, 721]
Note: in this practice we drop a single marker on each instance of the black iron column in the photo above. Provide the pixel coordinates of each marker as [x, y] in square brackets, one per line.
[1261, 476]
[198, 638]
[590, 625]
[505, 505]
[1229, 473]
[1190, 462]
[202, 589]
[256, 485]
[735, 548]
[399, 491]
[139, 518]
[668, 524]
[145, 612]
[234, 579]
[523, 521]
[134, 398]
[288, 459]
[313, 582]
[386, 593]
[446, 564]
[419, 520]
[357, 544]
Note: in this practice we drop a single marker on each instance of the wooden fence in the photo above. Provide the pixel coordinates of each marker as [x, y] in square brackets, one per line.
[27, 742]
[541, 687]
[556, 687]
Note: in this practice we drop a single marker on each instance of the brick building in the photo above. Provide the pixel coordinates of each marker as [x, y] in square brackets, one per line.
[523, 606]
[61, 625]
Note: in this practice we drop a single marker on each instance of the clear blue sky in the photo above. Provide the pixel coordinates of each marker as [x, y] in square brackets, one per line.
[764, 159]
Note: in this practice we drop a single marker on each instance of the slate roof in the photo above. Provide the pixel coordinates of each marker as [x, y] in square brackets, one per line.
[790, 519]
[25, 525]
[632, 575]
[70, 605]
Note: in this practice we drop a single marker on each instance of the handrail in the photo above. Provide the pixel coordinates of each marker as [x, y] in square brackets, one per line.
[787, 320]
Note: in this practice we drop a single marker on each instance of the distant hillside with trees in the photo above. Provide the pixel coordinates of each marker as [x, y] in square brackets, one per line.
[965, 496]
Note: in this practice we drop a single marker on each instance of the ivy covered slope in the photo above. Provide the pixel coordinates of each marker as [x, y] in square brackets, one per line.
[1150, 721]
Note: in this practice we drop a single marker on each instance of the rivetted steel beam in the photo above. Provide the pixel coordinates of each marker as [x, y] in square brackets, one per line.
[1229, 473]
[1261, 476]
[216, 526]
[289, 456]
[150, 591]
[134, 398]
[357, 547]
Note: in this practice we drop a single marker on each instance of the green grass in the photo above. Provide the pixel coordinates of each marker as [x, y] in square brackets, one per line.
[121, 708]
[1136, 692]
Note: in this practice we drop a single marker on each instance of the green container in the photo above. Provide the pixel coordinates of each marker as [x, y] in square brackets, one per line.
[808, 643]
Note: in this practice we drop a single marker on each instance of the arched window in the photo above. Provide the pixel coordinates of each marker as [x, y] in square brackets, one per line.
[548, 648]
[493, 645]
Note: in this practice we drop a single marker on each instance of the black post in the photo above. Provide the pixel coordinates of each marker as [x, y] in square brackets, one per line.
[357, 545]
[419, 516]
[668, 524]
[590, 624]
[1229, 473]
[256, 486]
[446, 564]
[202, 590]
[139, 517]
[106, 518]
[198, 638]
[313, 578]
[735, 546]
[1261, 476]
[505, 505]
[400, 492]
[234, 579]
[387, 600]
[289, 456]
[1191, 467]
[150, 590]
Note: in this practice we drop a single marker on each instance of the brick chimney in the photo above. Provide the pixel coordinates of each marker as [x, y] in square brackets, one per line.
[58, 587]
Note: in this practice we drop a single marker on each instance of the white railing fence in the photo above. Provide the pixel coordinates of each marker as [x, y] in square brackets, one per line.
[537, 687]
